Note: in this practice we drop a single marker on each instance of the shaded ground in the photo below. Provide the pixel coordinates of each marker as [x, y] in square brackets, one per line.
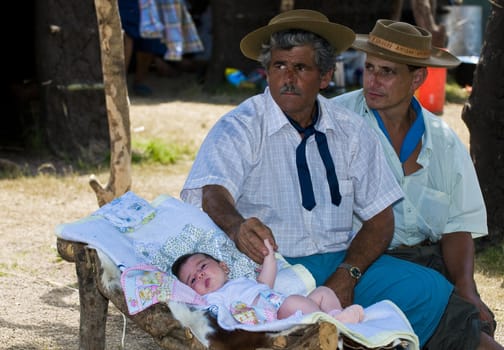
[39, 304]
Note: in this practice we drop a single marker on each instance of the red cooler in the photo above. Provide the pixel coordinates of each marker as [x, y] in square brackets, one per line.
[431, 93]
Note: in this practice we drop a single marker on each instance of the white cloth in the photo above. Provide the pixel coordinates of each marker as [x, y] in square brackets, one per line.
[442, 197]
[251, 151]
[383, 324]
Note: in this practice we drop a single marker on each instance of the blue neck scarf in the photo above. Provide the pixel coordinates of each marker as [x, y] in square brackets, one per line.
[308, 197]
[414, 134]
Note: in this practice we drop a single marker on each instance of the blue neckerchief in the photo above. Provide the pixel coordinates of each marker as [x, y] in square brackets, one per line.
[308, 197]
[414, 134]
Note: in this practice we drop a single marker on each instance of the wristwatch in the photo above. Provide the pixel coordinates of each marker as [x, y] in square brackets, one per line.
[354, 271]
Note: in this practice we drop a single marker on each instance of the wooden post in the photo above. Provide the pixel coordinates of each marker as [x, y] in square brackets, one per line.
[93, 305]
[117, 102]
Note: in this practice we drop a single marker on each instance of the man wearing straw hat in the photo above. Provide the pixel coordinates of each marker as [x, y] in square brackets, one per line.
[443, 208]
[288, 166]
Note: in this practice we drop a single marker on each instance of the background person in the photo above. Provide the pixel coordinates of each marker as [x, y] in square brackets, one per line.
[443, 205]
[137, 50]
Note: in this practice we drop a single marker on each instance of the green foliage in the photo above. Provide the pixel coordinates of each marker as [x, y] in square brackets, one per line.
[156, 151]
[491, 260]
[454, 93]
[3, 268]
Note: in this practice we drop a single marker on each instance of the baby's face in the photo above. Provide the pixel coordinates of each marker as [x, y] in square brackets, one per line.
[203, 274]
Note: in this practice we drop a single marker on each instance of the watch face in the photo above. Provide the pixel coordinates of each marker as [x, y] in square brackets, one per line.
[355, 272]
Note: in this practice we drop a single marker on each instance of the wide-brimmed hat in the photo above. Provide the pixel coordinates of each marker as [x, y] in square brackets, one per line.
[404, 43]
[339, 36]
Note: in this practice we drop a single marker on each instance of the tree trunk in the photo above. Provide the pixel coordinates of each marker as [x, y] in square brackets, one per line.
[116, 91]
[231, 21]
[482, 114]
[93, 305]
[69, 71]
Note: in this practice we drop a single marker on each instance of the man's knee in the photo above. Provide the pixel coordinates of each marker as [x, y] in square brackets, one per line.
[460, 327]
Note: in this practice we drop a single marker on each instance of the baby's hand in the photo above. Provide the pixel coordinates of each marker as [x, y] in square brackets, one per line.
[269, 266]
[269, 246]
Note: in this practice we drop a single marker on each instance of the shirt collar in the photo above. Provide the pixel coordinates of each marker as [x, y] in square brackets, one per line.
[277, 119]
[426, 150]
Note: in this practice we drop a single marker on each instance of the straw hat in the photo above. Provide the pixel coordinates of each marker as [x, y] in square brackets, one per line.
[339, 36]
[404, 43]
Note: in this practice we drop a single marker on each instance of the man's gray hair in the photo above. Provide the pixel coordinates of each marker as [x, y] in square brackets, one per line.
[325, 55]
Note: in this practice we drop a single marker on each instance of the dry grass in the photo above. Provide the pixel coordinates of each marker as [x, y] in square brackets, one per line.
[38, 295]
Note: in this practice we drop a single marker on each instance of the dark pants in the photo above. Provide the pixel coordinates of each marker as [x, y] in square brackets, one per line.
[460, 326]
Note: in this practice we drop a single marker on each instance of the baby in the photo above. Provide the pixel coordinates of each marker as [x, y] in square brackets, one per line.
[254, 301]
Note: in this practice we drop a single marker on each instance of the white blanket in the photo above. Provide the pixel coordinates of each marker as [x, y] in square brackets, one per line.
[143, 240]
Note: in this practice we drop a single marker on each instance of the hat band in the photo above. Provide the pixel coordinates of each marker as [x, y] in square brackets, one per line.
[400, 49]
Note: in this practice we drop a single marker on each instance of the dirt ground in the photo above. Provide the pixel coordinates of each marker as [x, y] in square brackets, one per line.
[39, 302]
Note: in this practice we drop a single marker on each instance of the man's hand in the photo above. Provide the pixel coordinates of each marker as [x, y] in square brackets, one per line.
[458, 254]
[250, 239]
[484, 311]
[248, 234]
[343, 285]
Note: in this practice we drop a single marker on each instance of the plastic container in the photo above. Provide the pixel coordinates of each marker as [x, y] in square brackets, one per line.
[237, 78]
[431, 93]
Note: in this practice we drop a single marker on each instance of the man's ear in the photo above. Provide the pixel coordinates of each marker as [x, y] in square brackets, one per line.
[419, 76]
[326, 79]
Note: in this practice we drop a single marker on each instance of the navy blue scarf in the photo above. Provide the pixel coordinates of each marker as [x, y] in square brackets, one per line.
[308, 197]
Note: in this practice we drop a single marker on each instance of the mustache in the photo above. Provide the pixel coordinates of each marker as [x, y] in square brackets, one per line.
[289, 89]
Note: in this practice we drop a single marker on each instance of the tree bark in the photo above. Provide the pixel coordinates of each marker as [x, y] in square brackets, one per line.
[482, 114]
[93, 305]
[116, 92]
[69, 71]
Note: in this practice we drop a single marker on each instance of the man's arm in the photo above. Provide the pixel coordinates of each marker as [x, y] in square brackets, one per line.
[458, 254]
[370, 242]
[248, 234]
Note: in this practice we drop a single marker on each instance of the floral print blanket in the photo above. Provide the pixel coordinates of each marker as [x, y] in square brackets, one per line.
[144, 239]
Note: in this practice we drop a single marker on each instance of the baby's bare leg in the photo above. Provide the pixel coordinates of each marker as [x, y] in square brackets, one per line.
[294, 303]
[325, 298]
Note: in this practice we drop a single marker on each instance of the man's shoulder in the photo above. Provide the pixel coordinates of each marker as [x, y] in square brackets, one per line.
[246, 114]
[441, 132]
[341, 113]
[353, 100]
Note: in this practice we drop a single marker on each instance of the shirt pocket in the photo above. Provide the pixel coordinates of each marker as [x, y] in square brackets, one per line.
[338, 219]
[433, 207]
